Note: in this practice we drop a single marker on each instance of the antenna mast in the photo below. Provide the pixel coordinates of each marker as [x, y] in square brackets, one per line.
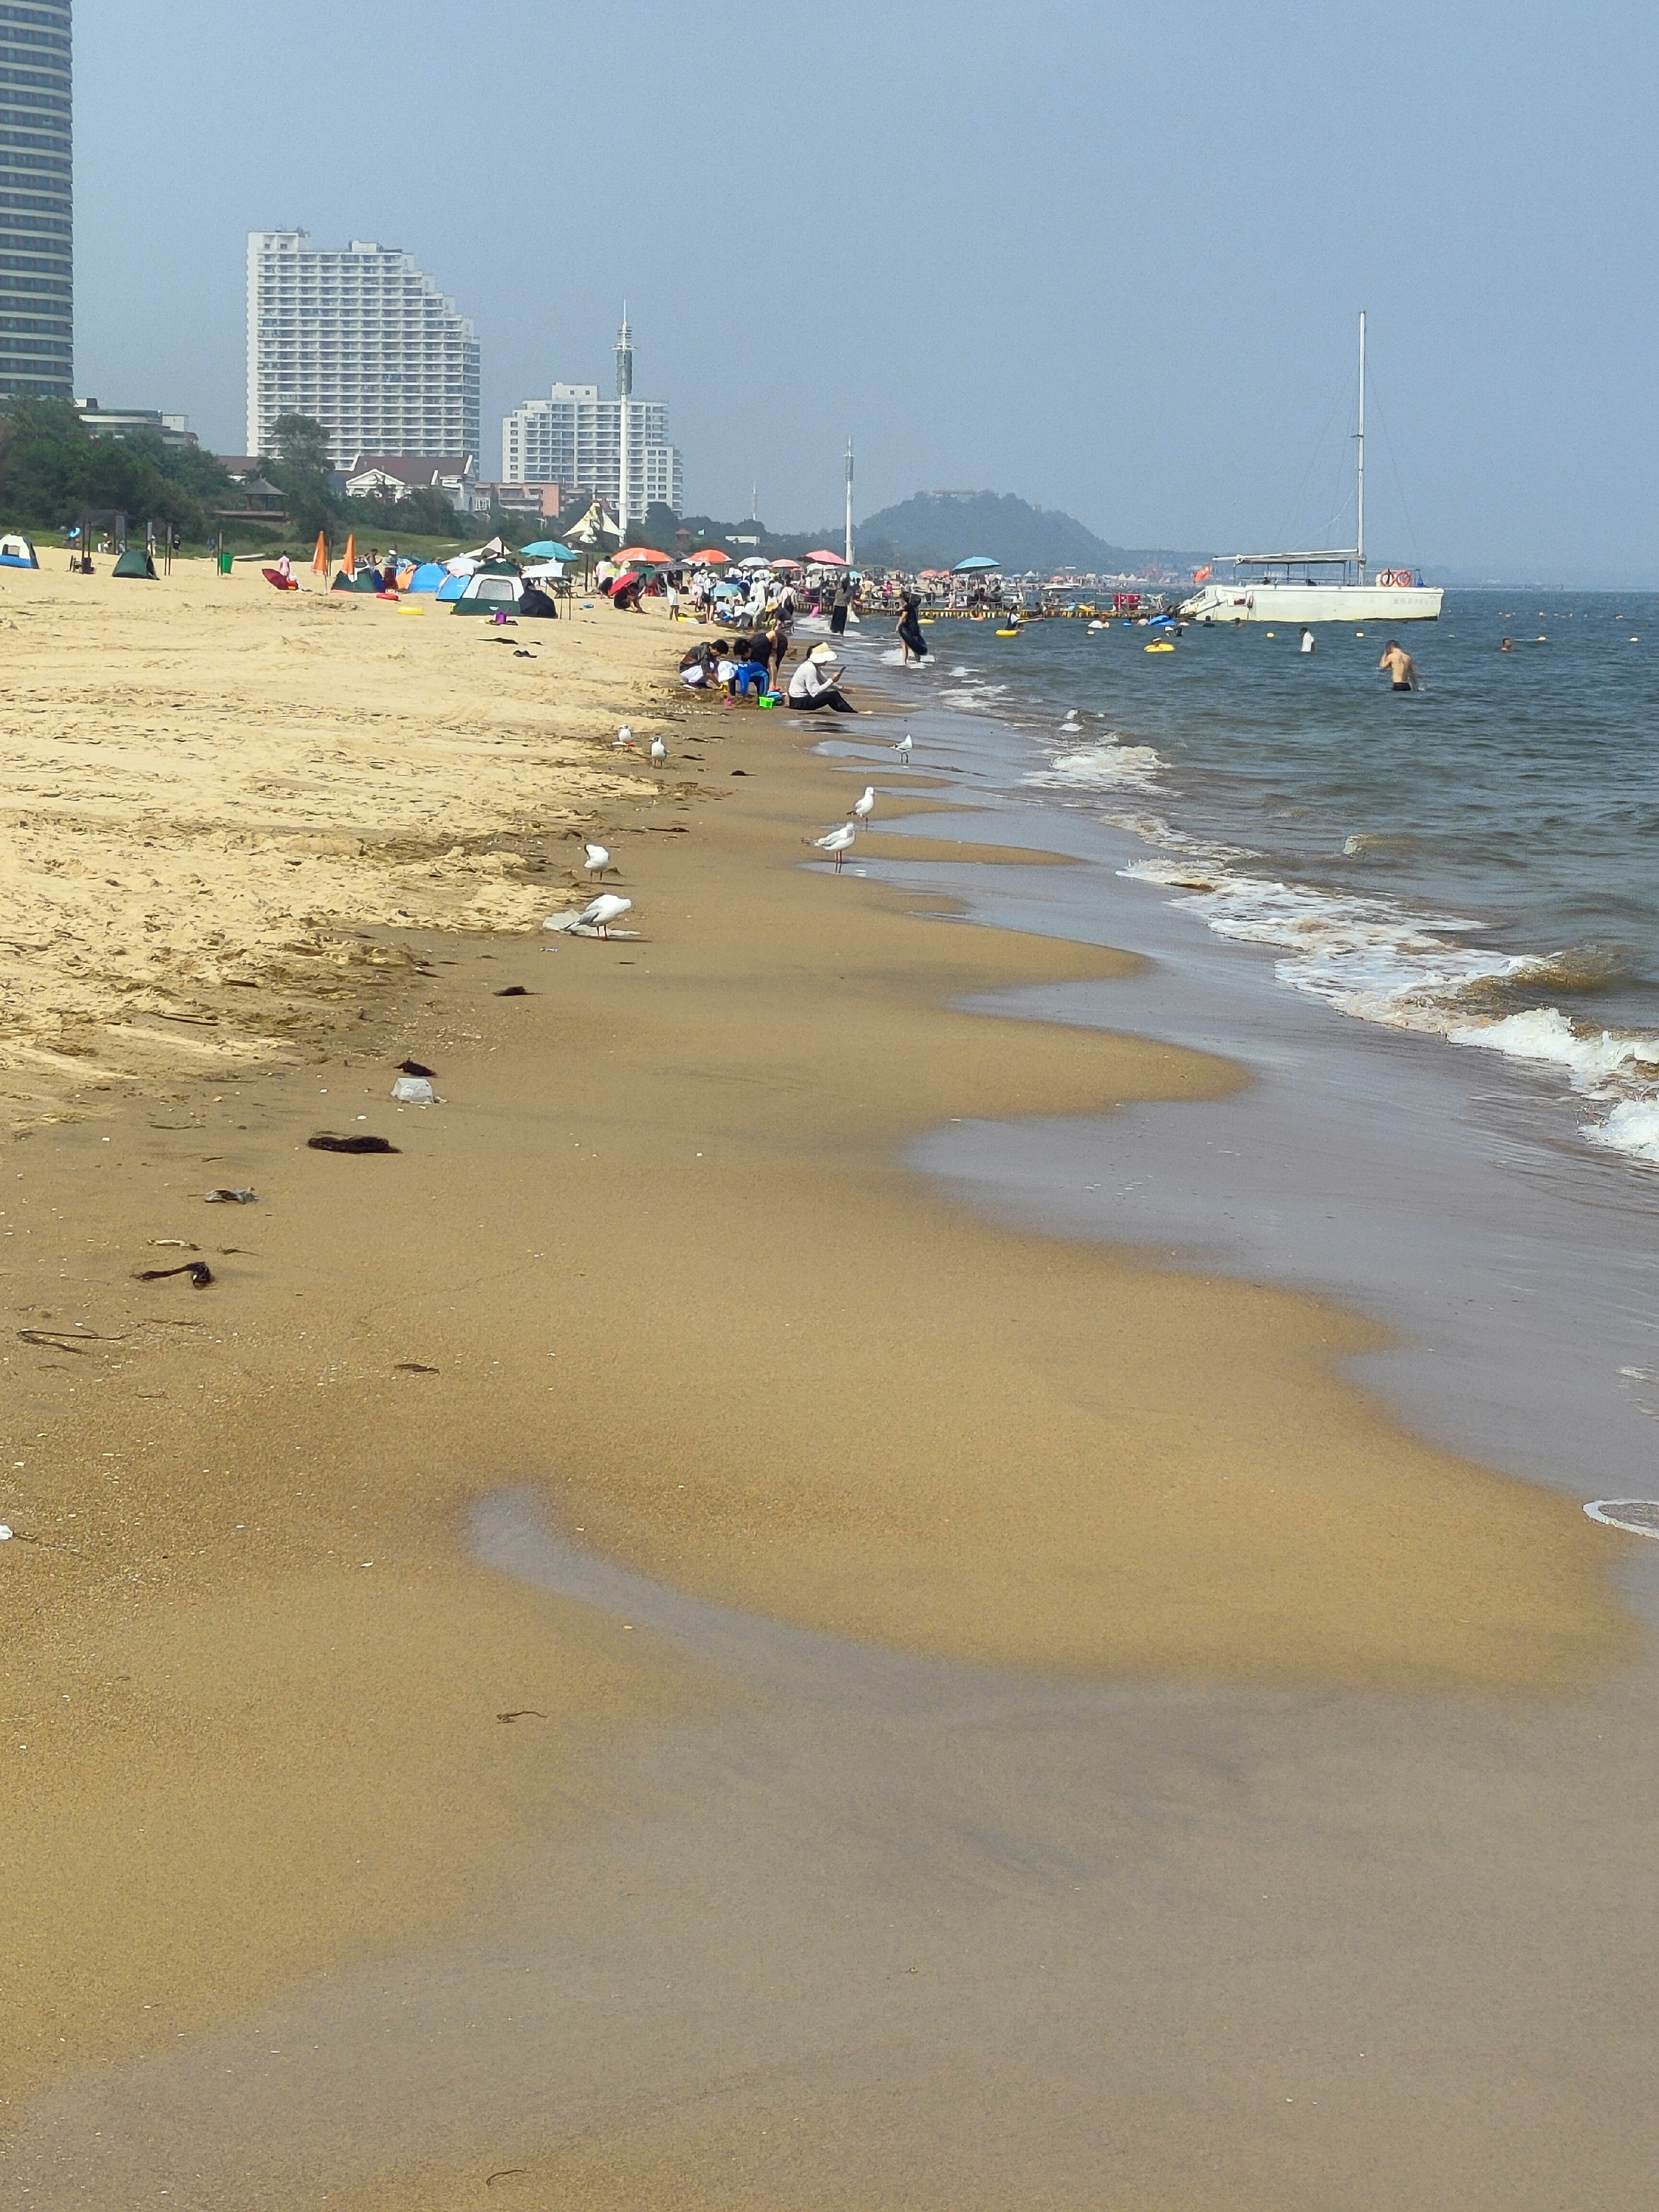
[1360, 446]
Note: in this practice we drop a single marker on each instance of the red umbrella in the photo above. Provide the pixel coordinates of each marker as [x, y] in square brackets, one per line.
[640, 553]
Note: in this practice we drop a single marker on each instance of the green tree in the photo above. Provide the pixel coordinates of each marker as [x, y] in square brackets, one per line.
[298, 443]
[299, 467]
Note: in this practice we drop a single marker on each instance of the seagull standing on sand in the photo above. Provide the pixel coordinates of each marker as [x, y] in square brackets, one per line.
[604, 910]
[598, 859]
[839, 842]
[625, 737]
[658, 751]
[902, 748]
[865, 808]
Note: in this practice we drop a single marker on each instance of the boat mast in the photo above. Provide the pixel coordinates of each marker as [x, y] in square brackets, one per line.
[1359, 449]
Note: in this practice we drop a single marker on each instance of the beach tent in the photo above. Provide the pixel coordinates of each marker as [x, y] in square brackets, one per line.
[488, 594]
[429, 577]
[452, 586]
[135, 561]
[17, 553]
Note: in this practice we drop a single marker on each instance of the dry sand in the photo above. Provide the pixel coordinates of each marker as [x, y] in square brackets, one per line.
[653, 1252]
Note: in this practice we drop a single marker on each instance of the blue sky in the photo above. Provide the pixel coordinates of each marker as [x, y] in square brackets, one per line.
[1109, 259]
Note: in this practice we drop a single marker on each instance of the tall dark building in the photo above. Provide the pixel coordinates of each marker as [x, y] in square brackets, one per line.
[37, 200]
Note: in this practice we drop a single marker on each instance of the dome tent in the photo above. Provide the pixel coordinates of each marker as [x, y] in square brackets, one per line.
[488, 594]
[16, 552]
[429, 577]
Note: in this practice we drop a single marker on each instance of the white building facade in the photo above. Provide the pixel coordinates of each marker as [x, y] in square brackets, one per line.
[362, 342]
[574, 437]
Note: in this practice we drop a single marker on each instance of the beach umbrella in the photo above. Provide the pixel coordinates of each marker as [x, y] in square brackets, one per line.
[975, 561]
[647, 553]
[349, 564]
[546, 549]
[827, 560]
[785, 564]
[754, 561]
[709, 556]
[319, 558]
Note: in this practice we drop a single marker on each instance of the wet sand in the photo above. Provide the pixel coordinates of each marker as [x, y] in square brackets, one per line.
[654, 1255]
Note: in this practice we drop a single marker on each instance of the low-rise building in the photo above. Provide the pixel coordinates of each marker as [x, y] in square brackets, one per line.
[395, 476]
[134, 423]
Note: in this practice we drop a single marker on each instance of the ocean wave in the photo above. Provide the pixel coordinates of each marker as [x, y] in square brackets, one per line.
[1370, 958]
[1112, 767]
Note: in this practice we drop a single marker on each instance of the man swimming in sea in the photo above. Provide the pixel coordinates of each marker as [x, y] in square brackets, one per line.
[1402, 669]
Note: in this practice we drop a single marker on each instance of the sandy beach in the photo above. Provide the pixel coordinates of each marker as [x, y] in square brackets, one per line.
[653, 1259]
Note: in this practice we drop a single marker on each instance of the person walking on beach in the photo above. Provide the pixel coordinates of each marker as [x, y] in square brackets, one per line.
[908, 629]
[1401, 668]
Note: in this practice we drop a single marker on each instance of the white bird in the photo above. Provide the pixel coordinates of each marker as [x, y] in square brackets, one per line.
[603, 911]
[839, 842]
[623, 737]
[598, 859]
[658, 751]
[902, 748]
[865, 808]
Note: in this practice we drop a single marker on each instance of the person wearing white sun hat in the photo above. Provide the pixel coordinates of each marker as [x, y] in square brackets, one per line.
[814, 683]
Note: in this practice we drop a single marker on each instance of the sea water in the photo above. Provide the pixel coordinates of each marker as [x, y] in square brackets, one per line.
[1424, 925]
[1474, 860]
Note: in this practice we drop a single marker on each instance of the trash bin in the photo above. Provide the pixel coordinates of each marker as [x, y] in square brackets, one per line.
[225, 560]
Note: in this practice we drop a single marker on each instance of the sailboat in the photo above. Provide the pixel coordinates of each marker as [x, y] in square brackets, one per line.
[1280, 587]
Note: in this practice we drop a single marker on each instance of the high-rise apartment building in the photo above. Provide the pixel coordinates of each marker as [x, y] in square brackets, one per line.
[37, 205]
[361, 342]
[574, 437]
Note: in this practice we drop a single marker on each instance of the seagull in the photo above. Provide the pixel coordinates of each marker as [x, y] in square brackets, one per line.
[603, 911]
[839, 842]
[658, 751]
[865, 808]
[598, 859]
[902, 748]
[623, 737]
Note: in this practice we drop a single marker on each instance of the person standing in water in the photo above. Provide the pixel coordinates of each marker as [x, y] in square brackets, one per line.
[908, 629]
[1401, 668]
[838, 611]
[1307, 639]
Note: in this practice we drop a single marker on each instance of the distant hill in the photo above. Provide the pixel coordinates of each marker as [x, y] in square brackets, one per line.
[937, 529]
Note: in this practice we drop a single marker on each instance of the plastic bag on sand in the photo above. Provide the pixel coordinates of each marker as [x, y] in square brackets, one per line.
[414, 1090]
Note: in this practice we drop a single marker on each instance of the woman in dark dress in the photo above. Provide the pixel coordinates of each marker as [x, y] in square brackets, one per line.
[838, 611]
[908, 628]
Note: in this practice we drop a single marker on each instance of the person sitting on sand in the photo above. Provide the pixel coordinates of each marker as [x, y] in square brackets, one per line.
[535, 603]
[814, 684]
[1402, 669]
[696, 670]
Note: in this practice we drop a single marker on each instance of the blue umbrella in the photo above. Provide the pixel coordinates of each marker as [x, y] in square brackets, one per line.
[547, 548]
[976, 561]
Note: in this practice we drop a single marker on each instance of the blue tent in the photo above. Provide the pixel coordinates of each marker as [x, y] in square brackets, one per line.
[452, 586]
[430, 576]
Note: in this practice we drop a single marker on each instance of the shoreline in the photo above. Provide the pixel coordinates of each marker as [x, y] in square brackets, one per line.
[647, 1242]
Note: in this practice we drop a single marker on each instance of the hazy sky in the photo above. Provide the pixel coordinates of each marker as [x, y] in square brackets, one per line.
[1109, 259]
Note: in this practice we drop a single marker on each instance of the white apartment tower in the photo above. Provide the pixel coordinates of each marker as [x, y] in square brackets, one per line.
[574, 437]
[363, 343]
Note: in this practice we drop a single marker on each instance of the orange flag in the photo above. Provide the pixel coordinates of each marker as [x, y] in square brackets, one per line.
[350, 563]
[319, 559]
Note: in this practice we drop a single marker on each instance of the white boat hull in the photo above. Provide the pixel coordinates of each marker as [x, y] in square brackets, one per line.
[1387, 603]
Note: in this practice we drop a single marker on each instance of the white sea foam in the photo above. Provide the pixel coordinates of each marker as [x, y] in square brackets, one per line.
[1370, 958]
[1111, 767]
